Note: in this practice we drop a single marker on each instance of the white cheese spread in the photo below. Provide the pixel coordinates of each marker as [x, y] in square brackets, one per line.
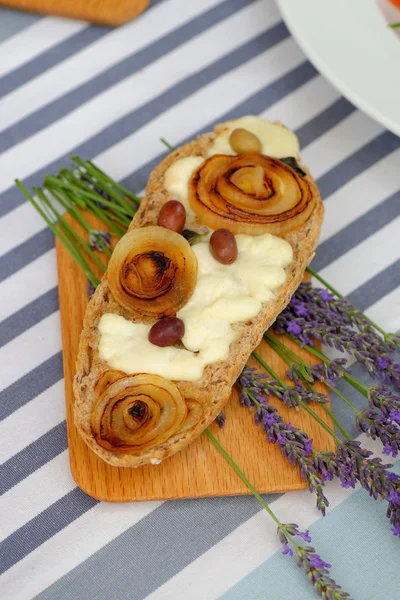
[176, 182]
[276, 141]
[224, 295]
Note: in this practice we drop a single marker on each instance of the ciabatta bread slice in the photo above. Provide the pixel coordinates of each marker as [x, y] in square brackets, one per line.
[214, 387]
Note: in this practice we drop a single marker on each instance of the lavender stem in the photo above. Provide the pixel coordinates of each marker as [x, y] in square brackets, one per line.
[242, 476]
[342, 396]
[329, 412]
[320, 421]
[268, 369]
[324, 283]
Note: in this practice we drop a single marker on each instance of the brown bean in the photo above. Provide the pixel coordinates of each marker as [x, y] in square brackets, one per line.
[244, 142]
[167, 332]
[172, 216]
[223, 246]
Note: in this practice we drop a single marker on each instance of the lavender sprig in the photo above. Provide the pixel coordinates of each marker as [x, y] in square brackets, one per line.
[98, 239]
[314, 314]
[381, 419]
[90, 288]
[221, 419]
[326, 373]
[391, 339]
[307, 558]
[352, 463]
[330, 372]
[292, 396]
[294, 444]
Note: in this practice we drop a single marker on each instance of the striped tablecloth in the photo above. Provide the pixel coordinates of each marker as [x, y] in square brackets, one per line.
[69, 88]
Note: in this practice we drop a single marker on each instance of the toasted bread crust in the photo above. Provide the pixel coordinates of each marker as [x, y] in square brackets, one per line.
[214, 388]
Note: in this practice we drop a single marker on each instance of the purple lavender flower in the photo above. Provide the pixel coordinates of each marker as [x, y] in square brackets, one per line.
[383, 398]
[221, 419]
[287, 549]
[317, 562]
[292, 396]
[338, 324]
[90, 288]
[294, 328]
[307, 558]
[350, 464]
[380, 419]
[395, 416]
[280, 439]
[268, 419]
[328, 371]
[396, 530]
[305, 535]
[354, 463]
[98, 239]
[294, 444]
[393, 514]
[98, 189]
[393, 497]
[308, 447]
[300, 309]
[382, 362]
[389, 451]
[325, 372]
[326, 295]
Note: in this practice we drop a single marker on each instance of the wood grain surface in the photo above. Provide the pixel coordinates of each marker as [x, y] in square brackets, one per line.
[103, 12]
[199, 470]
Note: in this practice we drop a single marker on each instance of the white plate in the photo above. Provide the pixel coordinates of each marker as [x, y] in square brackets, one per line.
[350, 42]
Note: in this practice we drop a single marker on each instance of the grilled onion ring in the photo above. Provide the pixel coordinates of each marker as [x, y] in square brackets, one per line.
[194, 415]
[136, 412]
[152, 272]
[251, 194]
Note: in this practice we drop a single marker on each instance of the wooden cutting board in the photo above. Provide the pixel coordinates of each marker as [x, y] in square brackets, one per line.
[103, 12]
[199, 470]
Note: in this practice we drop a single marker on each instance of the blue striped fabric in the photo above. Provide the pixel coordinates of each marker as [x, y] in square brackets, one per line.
[109, 94]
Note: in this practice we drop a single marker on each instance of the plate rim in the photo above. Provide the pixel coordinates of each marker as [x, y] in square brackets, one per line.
[332, 76]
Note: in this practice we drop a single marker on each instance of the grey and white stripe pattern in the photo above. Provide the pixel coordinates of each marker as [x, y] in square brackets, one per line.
[68, 87]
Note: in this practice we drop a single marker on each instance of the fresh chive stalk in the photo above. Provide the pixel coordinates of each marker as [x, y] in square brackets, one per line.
[61, 235]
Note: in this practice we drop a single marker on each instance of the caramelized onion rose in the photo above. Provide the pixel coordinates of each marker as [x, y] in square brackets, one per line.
[152, 272]
[135, 412]
[251, 194]
[195, 413]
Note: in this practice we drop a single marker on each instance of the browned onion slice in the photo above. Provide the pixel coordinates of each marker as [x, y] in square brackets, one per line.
[152, 272]
[136, 412]
[195, 413]
[251, 194]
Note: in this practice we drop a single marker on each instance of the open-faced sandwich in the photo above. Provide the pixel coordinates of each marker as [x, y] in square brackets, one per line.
[220, 243]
